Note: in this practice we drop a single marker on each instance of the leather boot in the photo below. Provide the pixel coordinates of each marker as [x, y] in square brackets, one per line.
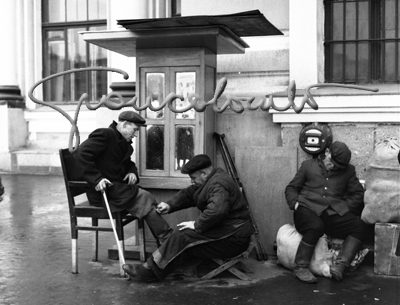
[350, 247]
[158, 226]
[302, 261]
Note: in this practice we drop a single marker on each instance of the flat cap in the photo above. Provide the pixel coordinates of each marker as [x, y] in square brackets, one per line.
[198, 162]
[340, 154]
[133, 117]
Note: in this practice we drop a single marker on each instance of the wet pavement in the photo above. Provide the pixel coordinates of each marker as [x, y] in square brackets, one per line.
[35, 264]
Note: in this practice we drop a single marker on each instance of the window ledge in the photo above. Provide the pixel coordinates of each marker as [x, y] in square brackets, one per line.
[342, 108]
[164, 183]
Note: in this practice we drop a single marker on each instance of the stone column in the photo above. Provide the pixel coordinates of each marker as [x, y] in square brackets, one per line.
[306, 25]
[13, 128]
[119, 10]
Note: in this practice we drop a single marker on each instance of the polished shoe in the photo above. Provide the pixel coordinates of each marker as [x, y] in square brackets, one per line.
[129, 269]
[144, 273]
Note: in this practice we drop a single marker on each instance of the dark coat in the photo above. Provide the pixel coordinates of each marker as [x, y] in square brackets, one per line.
[107, 154]
[224, 216]
[220, 201]
[316, 188]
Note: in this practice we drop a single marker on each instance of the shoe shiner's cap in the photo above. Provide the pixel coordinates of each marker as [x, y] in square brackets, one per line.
[198, 162]
[133, 117]
[340, 154]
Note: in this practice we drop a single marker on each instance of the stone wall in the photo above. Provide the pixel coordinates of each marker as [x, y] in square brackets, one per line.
[359, 137]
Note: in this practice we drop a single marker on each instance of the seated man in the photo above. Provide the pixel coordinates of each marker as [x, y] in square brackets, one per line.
[223, 229]
[105, 160]
[327, 197]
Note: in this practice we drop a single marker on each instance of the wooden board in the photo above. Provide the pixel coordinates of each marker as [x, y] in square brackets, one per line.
[264, 173]
[385, 260]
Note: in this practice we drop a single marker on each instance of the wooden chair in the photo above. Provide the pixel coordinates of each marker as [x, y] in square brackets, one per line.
[75, 186]
[229, 264]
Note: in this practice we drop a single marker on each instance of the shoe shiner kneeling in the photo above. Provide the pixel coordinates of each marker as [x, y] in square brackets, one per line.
[223, 229]
[327, 197]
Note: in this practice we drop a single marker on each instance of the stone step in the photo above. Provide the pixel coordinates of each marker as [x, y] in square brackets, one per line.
[31, 161]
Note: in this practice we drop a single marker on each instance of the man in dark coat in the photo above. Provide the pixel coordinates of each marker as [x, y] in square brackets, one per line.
[327, 197]
[105, 160]
[223, 229]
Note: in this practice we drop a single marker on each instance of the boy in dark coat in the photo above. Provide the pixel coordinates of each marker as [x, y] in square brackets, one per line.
[105, 160]
[223, 229]
[327, 197]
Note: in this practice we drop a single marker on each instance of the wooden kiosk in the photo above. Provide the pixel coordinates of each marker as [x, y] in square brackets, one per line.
[178, 55]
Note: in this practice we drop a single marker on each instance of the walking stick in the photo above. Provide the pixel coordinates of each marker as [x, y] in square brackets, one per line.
[232, 171]
[120, 250]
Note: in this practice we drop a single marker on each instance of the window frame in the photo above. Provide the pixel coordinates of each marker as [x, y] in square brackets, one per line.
[64, 27]
[376, 43]
[169, 121]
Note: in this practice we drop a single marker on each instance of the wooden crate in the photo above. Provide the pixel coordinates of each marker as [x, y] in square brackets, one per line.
[386, 237]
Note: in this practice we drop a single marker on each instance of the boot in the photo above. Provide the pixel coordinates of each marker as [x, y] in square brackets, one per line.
[140, 271]
[158, 226]
[349, 250]
[302, 261]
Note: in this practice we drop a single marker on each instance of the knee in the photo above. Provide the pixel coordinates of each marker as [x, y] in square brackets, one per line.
[359, 226]
[318, 229]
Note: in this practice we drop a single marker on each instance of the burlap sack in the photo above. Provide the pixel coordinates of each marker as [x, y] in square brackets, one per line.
[382, 182]
[288, 240]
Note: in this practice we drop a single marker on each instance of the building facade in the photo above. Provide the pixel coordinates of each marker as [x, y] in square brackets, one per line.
[350, 42]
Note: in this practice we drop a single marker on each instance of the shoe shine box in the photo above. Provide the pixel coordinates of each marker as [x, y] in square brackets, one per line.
[386, 237]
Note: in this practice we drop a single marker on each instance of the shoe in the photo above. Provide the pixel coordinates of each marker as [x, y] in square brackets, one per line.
[349, 250]
[302, 262]
[145, 274]
[129, 269]
[139, 271]
[304, 275]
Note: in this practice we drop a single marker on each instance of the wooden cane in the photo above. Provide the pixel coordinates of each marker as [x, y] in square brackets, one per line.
[120, 250]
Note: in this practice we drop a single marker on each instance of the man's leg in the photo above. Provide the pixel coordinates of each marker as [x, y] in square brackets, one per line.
[312, 228]
[223, 248]
[348, 227]
[186, 247]
[145, 207]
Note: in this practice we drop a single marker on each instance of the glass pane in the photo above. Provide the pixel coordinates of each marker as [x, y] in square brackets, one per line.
[98, 58]
[390, 19]
[55, 62]
[155, 89]
[184, 145]
[363, 66]
[76, 10]
[97, 9]
[185, 84]
[155, 147]
[350, 65]
[56, 10]
[337, 21]
[350, 21]
[76, 60]
[390, 63]
[337, 69]
[363, 20]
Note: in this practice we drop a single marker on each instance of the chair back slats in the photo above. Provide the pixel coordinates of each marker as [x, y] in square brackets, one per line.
[73, 177]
